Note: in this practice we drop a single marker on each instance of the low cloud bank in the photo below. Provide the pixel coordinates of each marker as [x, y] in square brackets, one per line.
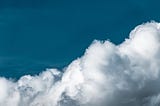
[106, 75]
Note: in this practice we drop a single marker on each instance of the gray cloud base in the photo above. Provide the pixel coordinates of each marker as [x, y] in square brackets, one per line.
[106, 75]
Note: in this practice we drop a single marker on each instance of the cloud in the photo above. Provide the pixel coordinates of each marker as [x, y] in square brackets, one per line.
[106, 75]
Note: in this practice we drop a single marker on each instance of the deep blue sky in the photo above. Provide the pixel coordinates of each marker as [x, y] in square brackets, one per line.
[37, 34]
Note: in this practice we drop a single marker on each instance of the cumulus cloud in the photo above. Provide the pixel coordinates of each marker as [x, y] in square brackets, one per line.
[106, 75]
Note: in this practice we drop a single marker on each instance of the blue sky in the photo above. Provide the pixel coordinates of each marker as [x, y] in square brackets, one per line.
[49, 55]
[37, 34]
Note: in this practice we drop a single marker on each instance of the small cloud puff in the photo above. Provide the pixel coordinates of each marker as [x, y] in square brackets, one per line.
[106, 75]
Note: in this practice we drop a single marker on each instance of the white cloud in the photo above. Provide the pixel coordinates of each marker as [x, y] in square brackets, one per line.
[107, 75]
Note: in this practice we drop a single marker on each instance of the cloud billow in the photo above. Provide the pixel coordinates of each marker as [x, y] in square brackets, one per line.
[127, 74]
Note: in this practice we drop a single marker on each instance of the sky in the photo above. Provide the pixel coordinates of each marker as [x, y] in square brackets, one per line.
[38, 34]
[79, 53]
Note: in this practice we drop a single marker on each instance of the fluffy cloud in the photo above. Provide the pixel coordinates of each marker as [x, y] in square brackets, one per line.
[106, 75]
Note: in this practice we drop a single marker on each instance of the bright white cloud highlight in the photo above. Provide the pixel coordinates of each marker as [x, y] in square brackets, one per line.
[107, 75]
